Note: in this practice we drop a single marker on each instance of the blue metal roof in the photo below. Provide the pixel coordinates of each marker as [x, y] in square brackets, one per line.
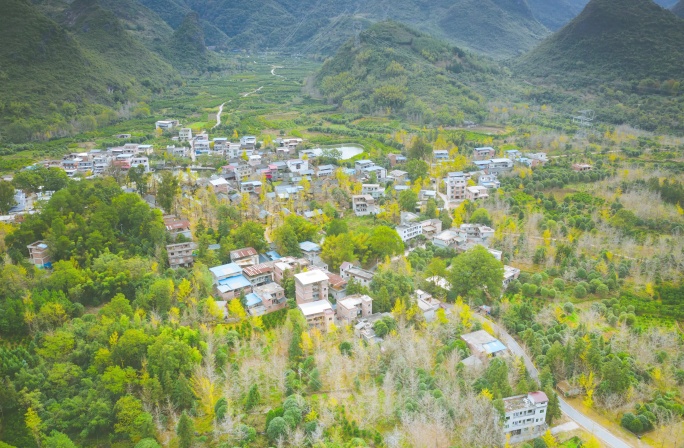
[494, 347]
[308, 246]
[226, 270]
[273, 255]
[233, 283]
[252, 299]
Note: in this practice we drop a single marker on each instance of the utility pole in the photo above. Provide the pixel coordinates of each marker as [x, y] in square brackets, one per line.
[357, 35]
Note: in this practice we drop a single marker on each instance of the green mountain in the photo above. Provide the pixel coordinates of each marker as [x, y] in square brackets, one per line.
[187, 48]
[554, 14]
[500, 28]
[611, 40]
[392, 68]
[77, 71]
[678, 9]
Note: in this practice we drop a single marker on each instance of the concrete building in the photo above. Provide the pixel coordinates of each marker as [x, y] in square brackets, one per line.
[337, 286]
[185, 135]
[272, 297]
[318, 314]
[449, 239]
[510, 274]
[456, 184]
[485, 153]
[352, 308]
[166, 125]
[348, 271]
[219, 185]
[311, 286]
[364, 205]
[177, 226]
[180, 255]
[525, 416]
[311, 251]
[581, 167]
[259, 274]
[229, 281]
[440, 155]
[409, 231]
[476, 193]
[247, 256]
[289, 265]
[373, 190]
[39, 255]
[484, 345]
[427, 304]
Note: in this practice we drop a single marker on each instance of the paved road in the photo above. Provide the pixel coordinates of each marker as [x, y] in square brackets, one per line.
[587, 423]
[218, 116]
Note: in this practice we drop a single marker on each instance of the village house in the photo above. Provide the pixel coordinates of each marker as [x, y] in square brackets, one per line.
[237, 171]
[456, 184]
[380, 172]
[337, 286]
[325, 171]
[541, 157]
[272, 297]
[477, 233]
[510, 274]
[297, 165]
[229, 281]
[409, 231]
[581, 167]
[396, 159]
[525, 416]
[352, 308]
[39, 255]
[311, 286]
[248, 142]
[476, 193]
[489, 181]
[449, 239]
[427, 304]
[513, 154]
[286, 264]
[252, 186]
[185, 135]
[361, 276]
[398, 176]
[360, 165]
[166, 125]
[440, 155]
[318, 314]
[311, 251]
[373, 190]
[364, 205]
[259, 274]
[177, 151]
[219, 185]
[247, 256]
[484, 345]
[180, 255]
[494, 166]
[485, 153]
[177, 226]
[431, 227]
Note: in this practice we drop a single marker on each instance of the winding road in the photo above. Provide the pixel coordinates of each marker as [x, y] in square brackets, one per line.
[593, 427]
[218, 116]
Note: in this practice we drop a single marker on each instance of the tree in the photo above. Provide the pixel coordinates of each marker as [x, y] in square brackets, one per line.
[168, 189]
[337, 249]
[337, 227]
[131, 419]
[431, 209]
[250, 234]
[408, 200]
[185, 431]
[286, 242]
[59, 440]
[481, 216]
[385, 242]
[277, 429]
[419, 149]
[148, 443]
[6, 197]
[417, 169]
[253, 397]
[303, 229]
[476, 273]
[553, 411]
[138, 176]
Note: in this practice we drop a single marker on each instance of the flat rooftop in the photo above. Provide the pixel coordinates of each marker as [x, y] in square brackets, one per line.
[317, 307]
[309, 277]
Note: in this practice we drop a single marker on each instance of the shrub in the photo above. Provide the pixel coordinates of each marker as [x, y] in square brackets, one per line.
[569, 308]
[529, 289]
[559, 284]
[580, 292]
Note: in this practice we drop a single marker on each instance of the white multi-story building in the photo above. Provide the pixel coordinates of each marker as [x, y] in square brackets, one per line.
[456, 184]
[409, 231]
[525, 416]
[364, 205]
[372, 189]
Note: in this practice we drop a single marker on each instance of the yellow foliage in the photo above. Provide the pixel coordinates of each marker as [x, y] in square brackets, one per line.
[547, 237]
[592, 443]
[441, 316]
[486, 326]
[649, 289]
[487, 394]
[589, 400]
[466, 316]
[174, 315]
[207, 395]
[113, 339]
[550, 440]
[33, 421]
[311, 416]
[213, 309]
[236, 310]
[307, 343]
[257, 322]
[680, 210]
[399, 309]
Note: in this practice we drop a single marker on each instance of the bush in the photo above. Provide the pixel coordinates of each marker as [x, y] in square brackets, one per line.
[529, 289]
[559, 284]
[580, 292]
[602, 290]
[277, 429]
[537, 279]
[569, 308]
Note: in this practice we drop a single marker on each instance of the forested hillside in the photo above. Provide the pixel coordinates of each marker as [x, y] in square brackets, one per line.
[397, 69]
[678, 9]
[54, 75]
[625, 40]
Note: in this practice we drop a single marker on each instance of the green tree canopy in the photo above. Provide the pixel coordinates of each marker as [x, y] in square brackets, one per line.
[477, 274]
